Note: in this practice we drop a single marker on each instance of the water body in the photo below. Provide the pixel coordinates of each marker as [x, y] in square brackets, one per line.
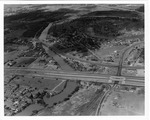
[29, 110]
[59, 60]
[45, 32]
[71, 86]
[52, 54]
[61, 97]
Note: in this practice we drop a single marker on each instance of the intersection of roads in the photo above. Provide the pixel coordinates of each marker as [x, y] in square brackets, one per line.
[105, 78]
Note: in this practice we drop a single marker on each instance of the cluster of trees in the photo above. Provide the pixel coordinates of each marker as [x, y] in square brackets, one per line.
[75, 31]
[117, 13]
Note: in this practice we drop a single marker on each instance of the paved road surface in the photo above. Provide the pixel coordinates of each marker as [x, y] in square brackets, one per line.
[123, 56]
[139, 81]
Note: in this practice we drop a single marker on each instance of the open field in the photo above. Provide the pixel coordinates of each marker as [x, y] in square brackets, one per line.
[109, 50]
[37, 82]
[11, 56]
[123, 103]
[30, 110]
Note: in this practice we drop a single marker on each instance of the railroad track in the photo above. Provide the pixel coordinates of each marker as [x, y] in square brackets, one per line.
[103, 98]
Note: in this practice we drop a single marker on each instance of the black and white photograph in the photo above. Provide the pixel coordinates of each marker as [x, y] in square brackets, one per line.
[74, 59]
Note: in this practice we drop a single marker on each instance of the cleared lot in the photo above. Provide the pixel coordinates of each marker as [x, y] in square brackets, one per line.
[123, 103]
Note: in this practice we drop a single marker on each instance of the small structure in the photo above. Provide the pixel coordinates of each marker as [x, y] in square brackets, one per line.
[140, 72]
[117, 78]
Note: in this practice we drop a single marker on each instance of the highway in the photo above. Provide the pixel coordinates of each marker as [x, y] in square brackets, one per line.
[137, 81]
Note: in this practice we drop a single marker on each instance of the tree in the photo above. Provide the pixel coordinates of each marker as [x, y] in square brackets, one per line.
[34, 112]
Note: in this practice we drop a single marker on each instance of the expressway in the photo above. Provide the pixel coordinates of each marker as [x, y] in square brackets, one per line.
[129, 80]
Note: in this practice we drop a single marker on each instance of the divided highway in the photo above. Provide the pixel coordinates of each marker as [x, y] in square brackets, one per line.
[129, 80]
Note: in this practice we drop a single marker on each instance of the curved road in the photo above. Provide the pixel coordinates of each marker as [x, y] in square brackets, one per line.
[123, 55]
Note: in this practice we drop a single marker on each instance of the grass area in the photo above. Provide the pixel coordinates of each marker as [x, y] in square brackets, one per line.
[11, 55]
[24, 62]
[37, 82]
[30, 110]
[13, 36]
[109, 50]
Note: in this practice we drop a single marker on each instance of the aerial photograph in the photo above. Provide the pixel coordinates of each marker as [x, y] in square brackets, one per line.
[74, 60]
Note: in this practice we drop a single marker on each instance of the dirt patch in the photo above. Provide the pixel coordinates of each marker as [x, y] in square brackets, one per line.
[123, 103]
